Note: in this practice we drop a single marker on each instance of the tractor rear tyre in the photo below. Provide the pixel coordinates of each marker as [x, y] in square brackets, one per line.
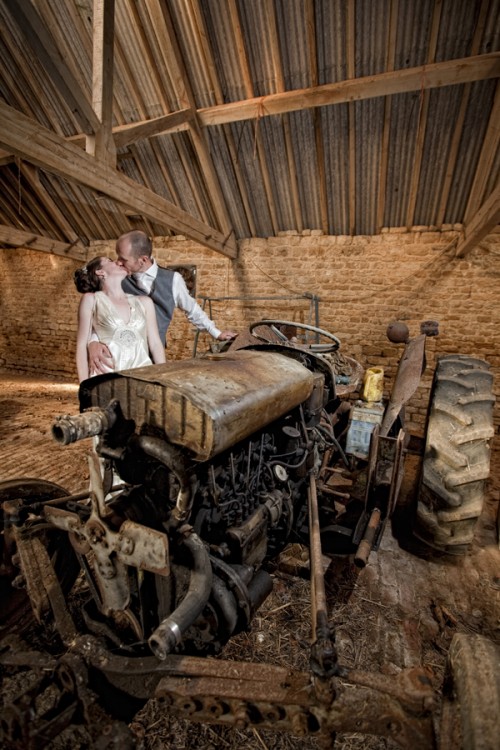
[470, 717]
[456, 461]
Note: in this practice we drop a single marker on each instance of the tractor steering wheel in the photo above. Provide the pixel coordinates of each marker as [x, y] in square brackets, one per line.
[272, 324]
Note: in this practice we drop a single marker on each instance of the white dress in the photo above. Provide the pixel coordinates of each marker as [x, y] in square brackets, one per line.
[127, 342]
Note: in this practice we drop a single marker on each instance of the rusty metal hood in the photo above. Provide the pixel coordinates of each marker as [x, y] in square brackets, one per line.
[206, 404]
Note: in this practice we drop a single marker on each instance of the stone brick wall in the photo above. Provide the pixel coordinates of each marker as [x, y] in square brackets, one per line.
[362, 283]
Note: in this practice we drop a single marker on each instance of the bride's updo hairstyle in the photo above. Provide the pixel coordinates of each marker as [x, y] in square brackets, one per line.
[86, 279]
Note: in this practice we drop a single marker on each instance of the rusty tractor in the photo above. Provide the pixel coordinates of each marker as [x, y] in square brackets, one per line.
[202, 472]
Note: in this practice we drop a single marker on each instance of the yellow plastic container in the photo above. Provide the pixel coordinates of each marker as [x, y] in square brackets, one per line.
[373, 384]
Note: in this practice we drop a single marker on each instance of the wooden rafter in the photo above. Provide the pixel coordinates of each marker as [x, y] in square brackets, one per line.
[351, 74]
[459, 124]
[318, 129]
[482, 224]
[488, 154]
[19, 238]
[175, 65]
[101, 143]
[214, 85]
[40, 39]
[384, 156]
[448, 73]
[45, 149]
[422, 120]
[33, 175]
[248, 87]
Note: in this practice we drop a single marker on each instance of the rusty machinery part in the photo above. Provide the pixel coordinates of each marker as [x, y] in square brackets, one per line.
[57, 697]
[215, 691]
[457, 454]
[290, 327]
[470, 717]
[21, 500]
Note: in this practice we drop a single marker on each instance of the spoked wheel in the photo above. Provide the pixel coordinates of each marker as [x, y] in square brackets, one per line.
[277, 331]
[471, 701]
[17, 498]
[457, 454]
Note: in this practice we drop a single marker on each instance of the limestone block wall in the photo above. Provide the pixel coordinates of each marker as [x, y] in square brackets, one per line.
[362, 283]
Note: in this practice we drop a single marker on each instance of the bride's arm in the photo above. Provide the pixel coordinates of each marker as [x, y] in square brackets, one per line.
[84, 329]
[156, 348]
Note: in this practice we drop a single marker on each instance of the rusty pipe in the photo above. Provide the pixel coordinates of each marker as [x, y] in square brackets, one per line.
[366, 544]
[169, 633]
[68, 429]
[176, 462]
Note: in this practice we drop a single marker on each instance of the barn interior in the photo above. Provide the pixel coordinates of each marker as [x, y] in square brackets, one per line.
[333, 163]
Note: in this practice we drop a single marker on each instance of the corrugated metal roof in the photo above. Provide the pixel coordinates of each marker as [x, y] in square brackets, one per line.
[392, 159]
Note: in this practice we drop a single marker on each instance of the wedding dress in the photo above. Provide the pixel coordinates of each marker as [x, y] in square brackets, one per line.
[127, 342]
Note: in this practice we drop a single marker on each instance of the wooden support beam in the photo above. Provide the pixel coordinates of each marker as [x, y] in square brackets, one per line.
[318, 129]
[32, 174]
[45, 149]
[287, 133]
[384, 155]
[351, 74]
[19, 238]
[488, 154]
[125, 135]
[48, 56]
[448, 73]
[422, 120]
[248, 87]
[101, 144]
[459, 124]
[483, 223]
[176, 68]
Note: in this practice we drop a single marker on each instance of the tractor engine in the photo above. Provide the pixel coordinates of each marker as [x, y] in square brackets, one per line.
[197, 479]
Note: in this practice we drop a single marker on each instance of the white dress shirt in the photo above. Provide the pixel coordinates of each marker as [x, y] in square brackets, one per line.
[182, 299]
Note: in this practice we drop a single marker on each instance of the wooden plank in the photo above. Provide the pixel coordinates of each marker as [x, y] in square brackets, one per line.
[248, 87]
[351, 74]
[486, 159]
[287, 134]
[384, 155]
[422, 121]
[19, 238]
[182, 86]
[40, 146]
[482, 224]
[46, 200]
[318, 129]
[101, 144]
[448, 73]
[124, 135]
[48, 55]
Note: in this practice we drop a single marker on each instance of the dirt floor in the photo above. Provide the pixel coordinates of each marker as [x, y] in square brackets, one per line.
[399, 611]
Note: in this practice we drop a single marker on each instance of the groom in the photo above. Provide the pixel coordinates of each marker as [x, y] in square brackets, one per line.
[166, 288]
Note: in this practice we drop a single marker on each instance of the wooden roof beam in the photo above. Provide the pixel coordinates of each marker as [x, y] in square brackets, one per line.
[448, 73]
[19, 238]
[459, 124]
[34, 143]
[101, 143]
[482, 224]
[422, 122]
[176, 68]
[488, 154]
[125, 135]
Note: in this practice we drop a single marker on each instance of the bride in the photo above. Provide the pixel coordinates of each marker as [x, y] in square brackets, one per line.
[125, 322]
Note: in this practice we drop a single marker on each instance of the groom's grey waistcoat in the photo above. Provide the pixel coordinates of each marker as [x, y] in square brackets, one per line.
[162, 295]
